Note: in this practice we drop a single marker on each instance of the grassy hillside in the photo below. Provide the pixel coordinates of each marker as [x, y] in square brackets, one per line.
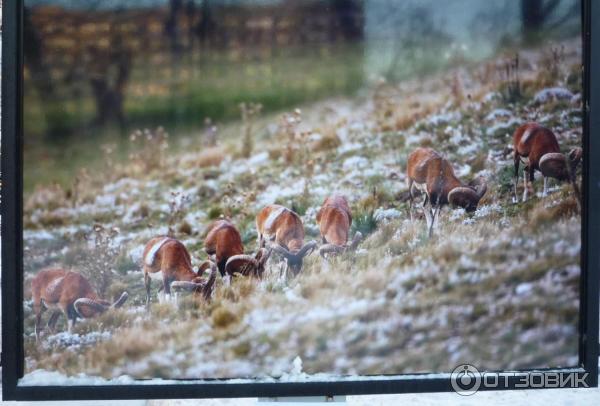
[497, 288]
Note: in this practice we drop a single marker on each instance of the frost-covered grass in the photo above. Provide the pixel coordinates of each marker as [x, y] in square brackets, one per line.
[497, 288]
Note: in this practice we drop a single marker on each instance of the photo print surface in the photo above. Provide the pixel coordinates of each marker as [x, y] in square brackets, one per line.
[297, 190]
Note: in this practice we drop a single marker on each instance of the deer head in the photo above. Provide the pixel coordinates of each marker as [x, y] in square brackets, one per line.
[86, 307]
[468, 196]
[338, 249]
[199, 285]
[295, 259]
[248, 265]
[558, 166]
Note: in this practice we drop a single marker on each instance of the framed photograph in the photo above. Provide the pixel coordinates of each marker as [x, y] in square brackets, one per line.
[211, 198]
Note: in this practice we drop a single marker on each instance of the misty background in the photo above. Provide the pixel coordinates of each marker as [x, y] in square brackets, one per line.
[97, 70]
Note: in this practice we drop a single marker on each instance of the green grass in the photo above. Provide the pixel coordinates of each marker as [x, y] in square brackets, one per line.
[212, 89]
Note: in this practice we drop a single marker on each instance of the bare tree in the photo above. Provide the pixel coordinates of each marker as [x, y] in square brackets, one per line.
[172, 28]
[541, 15]
[36, 63]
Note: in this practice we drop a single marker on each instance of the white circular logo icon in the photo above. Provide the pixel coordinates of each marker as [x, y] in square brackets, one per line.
[465, 379]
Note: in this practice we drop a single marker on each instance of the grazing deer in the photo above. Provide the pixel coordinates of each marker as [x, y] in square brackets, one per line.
[67, 292]
[224, 243]
[168, 260]
[538, 148]
[334, 220]
[432, 174]
[284, 230]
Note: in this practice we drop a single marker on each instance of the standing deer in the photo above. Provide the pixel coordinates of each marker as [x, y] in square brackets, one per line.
[284, 230]
[67, 292]
[432, 174]
[167, 260]
[538, 148]
[224, 243]
[334, 220]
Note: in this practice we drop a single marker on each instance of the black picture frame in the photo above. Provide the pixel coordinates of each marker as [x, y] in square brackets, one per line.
[12, 250]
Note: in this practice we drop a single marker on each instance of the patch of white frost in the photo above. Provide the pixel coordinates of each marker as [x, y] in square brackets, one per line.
[552, 94]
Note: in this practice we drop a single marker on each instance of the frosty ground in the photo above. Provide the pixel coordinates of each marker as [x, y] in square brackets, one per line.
[498, 288]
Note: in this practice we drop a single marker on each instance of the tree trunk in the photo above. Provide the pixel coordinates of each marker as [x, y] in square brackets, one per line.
[41, 78]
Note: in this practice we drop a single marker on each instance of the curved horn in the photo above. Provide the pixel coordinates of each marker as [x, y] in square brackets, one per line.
[463, 196]
[184, 285]
[330, 248]
[263, 255]
[80, 307]
[480, 186]
[204, 266]
[281, 250]
[244, 264]
[307, 249]
[356, 240]
[575, 155]
[120, 301]
[554, 165]
[210, 283]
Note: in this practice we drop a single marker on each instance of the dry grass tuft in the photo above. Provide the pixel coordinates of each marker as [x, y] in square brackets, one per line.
[223, 317]
[542, 216]
[210, 157]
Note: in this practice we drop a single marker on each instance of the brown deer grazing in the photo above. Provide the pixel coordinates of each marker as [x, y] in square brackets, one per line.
[224, 243]
[538, 148]
[168, 260]
[432, 174]
[284, 230]
[334, 220]
[67, 292]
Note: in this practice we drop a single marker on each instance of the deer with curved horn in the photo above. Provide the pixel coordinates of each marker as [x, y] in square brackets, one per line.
[284, 231]
[67, 292]
[433, 175]
[334, 220]
[224, 243]
[537, 147]
[167, 260]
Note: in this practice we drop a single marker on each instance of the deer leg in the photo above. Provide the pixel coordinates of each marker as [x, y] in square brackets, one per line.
[433, 213]
[38, 322]
[545, 192]
[52, 321]
[436, 212]
[531, 178]
[517, 161]
[525, 188]
[427, 211]
[147, 284]
[68, 317]
[410, 198]
[167, 286]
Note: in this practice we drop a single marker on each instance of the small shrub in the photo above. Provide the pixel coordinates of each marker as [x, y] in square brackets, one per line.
[223, 318]
[210, 157]
[185, 228]
[364, 222]
[249, 113]
[148, 149]
[510, 89]
[100, 264]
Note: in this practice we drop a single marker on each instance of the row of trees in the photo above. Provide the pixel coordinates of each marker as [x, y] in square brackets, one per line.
[104, 72]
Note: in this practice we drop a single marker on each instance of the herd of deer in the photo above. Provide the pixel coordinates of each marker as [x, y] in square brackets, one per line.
[280, 230]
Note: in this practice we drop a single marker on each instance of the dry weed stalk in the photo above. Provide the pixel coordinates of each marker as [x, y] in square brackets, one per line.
[250, 112]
